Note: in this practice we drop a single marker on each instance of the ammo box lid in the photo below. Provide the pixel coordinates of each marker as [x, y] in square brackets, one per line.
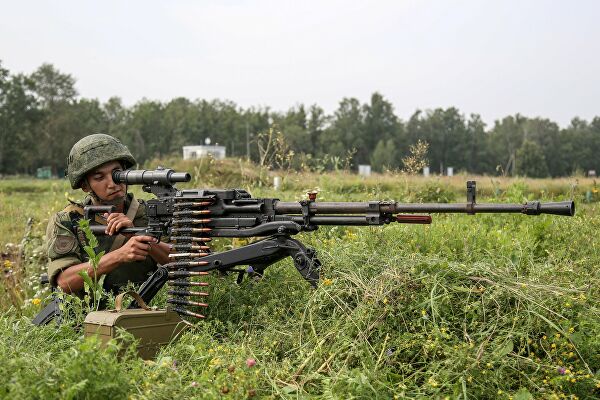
[132, 316]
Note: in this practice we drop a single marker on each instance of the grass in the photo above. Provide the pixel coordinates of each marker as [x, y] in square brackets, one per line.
[485, 306]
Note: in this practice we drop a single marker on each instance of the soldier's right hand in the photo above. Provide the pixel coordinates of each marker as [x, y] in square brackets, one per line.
[136, 248]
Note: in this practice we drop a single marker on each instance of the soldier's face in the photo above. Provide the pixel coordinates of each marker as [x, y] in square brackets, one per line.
[101, 182]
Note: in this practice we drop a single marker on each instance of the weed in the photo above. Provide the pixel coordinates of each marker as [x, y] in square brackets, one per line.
[485, 306]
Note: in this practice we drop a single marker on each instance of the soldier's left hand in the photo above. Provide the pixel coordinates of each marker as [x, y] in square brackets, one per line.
[115, 222]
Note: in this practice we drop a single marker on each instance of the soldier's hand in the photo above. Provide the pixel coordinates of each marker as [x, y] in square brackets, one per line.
[136, 248]
[115, 222]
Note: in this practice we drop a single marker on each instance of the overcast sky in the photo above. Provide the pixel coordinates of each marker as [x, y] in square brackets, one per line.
[539, 58]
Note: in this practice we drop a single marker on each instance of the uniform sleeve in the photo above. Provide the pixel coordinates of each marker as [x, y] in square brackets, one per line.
[62, 246]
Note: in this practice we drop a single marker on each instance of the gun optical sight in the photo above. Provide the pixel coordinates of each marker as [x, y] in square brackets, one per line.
[160, 176]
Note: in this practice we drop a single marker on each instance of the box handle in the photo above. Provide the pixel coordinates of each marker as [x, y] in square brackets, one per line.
[137, 298]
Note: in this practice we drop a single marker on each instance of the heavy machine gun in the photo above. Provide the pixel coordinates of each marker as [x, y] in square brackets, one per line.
[190, 218]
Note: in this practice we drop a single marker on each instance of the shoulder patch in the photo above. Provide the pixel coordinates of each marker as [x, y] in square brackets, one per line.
[63, 244]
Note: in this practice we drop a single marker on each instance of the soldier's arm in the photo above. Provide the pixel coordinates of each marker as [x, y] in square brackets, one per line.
[116, 221]
[158, 251]
[70, 281]
[137, 248]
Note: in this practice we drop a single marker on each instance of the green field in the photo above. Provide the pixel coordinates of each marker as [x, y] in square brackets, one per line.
[485, 306]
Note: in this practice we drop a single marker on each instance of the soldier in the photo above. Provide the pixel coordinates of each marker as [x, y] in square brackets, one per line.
[91, 162]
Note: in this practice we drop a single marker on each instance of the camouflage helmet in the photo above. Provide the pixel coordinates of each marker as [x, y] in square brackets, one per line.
[91, 152]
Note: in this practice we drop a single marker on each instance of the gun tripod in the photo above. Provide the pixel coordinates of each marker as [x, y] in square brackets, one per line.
[257, 256]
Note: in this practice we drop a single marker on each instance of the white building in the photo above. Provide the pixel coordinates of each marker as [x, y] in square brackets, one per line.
[192, 152]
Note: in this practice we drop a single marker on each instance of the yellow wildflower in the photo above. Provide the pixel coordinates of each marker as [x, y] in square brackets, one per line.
[36, 301]
[385, 300]
[7, 264]
[327, 281]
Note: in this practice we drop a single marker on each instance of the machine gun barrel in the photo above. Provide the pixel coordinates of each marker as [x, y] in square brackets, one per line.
[566, 208]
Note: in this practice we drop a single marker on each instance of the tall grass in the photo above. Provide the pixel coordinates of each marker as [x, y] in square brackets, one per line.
[485, 306]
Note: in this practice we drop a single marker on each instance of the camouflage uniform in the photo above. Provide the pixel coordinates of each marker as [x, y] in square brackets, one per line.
[65, 242]
[65, 247]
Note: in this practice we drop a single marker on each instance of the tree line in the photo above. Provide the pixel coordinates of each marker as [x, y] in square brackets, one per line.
[42, 116]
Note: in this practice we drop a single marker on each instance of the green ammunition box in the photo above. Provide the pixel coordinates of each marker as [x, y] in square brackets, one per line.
[151, 328]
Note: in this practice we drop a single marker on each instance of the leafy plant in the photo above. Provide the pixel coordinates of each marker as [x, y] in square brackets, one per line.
[92, 285]
[417, 158]
[434, 192]
[485, 306]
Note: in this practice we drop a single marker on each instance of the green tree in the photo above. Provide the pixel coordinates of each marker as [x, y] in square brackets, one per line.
[52, 86]
[346, 131]
[548, 136]
[477, 148]
[530, 160]
[60, 126]
[254, 121]
[446, 134]
[381, 125]
[316, 125]
[383, 157]
[145, 132]
[19, 116]
[293, 125]
[181, 122]
[116, 117]
[580, 143]
[505, 138]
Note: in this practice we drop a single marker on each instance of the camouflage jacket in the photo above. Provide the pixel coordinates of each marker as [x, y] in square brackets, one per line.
[65, 246]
